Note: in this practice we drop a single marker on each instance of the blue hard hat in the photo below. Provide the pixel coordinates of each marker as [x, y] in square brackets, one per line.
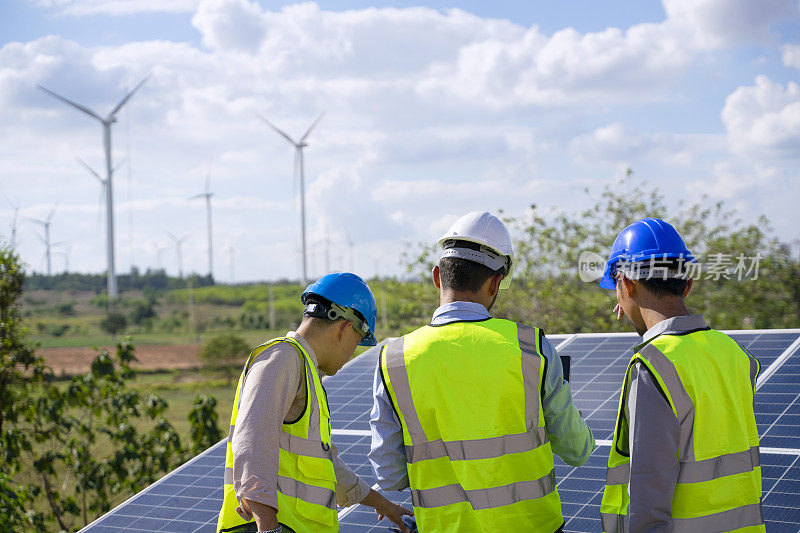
[646, 239]
[351, 292]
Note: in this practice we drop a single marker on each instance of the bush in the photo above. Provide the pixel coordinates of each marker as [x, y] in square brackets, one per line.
[56, 330]
[141, 310]
[114, 323]
[224, 350]
[65, 308]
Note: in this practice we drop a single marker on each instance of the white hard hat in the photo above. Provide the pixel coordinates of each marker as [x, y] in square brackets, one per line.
[487, 231]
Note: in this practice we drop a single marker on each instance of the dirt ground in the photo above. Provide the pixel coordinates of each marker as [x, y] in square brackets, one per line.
[78, 360]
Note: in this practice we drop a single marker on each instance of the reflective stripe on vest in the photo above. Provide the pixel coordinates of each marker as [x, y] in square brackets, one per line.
[455, 480]
[728, 481]
[306, 480]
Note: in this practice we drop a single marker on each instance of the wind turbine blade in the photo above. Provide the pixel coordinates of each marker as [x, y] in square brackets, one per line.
[127, 97]
[208, 180]
[303, 138]
[91, 170]
[70, 102]
[15, 206]
[173, 237]
[274, 127]
[50, 216]
[196, 196]
[121, 161]
[31, 219]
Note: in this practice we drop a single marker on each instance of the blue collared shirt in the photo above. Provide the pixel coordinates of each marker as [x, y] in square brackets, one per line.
[570, 437]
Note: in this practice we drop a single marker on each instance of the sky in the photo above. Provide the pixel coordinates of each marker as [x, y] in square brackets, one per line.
[431, 109]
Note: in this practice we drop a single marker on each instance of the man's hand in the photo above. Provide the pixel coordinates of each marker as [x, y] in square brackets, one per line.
[618, 310]
[387, 509]
[266, 516]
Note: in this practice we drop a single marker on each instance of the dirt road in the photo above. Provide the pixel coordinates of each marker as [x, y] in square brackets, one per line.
[78, 360]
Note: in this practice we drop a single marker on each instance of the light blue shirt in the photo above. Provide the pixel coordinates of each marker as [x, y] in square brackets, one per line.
[570, 437]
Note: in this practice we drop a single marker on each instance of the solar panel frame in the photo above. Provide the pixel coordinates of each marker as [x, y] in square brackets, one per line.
[195, 488]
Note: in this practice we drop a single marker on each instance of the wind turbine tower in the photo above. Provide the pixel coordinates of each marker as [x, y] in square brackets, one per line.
[15, 205]
[299, 174]
[107, 121]
[207, 195]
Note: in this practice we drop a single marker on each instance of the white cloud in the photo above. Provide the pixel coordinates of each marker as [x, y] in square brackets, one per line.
[791, 55]
[764, 116]
[728, 180]
[719, 22]
[429, 114]
[617, 143]
[117, 7]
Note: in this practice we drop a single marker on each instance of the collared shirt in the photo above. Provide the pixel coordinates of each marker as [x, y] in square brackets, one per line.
[274, 391]
[653, 438]
[570, 437]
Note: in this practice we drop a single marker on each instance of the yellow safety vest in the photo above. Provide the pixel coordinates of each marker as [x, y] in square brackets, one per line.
[709, 382]
[469, 399]
[306, 479]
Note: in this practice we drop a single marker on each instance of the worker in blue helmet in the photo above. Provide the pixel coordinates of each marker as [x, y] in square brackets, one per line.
[282, 472]
[685, 451]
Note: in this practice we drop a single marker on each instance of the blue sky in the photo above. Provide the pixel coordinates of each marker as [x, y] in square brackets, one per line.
[431, 112]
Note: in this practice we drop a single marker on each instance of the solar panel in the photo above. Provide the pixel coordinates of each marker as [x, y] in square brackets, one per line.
[189, 498]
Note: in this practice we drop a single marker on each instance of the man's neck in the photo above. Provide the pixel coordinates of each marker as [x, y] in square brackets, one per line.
[448, 297]
[663, 310]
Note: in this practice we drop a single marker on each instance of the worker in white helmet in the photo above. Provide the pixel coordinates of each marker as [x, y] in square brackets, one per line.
[469, 410]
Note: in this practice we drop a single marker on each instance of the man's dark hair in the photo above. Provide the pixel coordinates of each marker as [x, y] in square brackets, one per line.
[665, 287]
[464, 275]
[659, 285]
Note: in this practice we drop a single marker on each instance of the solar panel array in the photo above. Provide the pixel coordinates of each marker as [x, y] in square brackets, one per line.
[188, 499]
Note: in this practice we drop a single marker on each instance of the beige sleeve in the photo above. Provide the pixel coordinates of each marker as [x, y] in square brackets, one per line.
[350, 489]
[271, 386]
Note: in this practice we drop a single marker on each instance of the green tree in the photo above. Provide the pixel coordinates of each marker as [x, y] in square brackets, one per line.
[225, 351]
[203, 420]
[547, 290]
[114, 323]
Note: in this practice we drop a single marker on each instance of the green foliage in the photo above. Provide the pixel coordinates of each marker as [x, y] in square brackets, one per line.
[225, 351]
[152, 279]
[142, 310]
[69, 452]
[65, 308]
[114, 323]
[547, 291]
[203, 419]
[57, 330]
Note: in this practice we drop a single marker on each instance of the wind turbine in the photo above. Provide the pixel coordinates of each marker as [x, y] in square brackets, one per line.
[207, 195]
[159, 250]
[65, 254]
[299, 173]
[178, 242]
[13, 221]
[107, 121]
[46, 239]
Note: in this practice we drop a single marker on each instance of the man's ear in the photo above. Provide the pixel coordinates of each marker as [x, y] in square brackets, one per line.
[437, 280]
[342, 329]
[629, 288]
[688, 288]
[494, 286]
